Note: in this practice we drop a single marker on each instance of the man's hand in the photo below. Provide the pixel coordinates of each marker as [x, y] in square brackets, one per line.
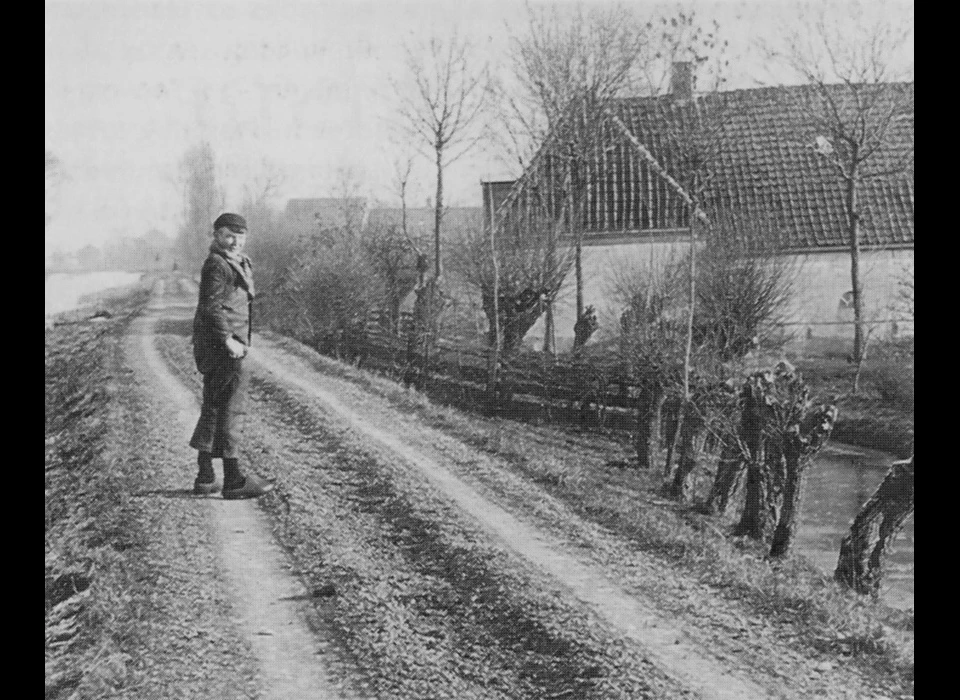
[236, 348]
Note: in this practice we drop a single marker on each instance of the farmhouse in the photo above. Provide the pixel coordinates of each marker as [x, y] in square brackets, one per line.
[760, 153]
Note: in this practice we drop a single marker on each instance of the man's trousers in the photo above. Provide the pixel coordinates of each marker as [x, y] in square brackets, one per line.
[224, 403]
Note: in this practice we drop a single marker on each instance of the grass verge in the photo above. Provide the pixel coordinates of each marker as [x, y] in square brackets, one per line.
[804, 603]
[880, 415]
[89, 615]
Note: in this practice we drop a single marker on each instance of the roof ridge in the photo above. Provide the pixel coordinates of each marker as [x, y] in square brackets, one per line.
[802, 87]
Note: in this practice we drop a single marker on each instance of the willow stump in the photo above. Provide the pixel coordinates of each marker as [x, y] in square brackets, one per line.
[801, 444]
[730, 468]
[862, 551]
[780, 435]
[649, 416]
[756, 520]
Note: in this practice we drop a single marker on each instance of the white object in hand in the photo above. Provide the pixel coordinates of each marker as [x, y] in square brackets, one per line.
[236, 348]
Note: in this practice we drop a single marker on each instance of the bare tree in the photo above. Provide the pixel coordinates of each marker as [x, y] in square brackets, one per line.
[348, 190]
[401, 181]
[441, 105]
[651, 336]
[860, 116]
[203, 198]
[694, 121]
[588, 55]
[566, 69]
[270, 246]
[742, 288]
[394, 261]
[693, 124]
[515, 274]
[744, 285]
[264, 187]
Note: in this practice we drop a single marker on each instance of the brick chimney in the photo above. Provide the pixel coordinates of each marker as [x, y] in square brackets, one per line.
[681, 80]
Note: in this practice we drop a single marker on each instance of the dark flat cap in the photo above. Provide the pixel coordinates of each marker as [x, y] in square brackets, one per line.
[231, 221]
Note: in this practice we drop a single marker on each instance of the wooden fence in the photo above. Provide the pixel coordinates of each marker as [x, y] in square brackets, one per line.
[593, 386]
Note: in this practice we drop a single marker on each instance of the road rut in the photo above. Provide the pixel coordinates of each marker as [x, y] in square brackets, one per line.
[266, 596]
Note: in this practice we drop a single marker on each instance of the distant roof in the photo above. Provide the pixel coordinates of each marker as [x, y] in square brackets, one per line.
[767, 164]
[327, 212]
[420, 220]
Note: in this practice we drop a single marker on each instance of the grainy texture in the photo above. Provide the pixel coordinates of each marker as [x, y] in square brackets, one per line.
[439, 555]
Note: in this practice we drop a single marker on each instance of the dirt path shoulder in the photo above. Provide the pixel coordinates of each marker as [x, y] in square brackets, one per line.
[703, 642]
[263, 601]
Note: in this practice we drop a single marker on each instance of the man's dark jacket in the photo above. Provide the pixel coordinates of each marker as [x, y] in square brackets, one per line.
[223, 309]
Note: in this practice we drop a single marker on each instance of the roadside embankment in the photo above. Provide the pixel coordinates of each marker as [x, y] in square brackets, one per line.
[879, 416]
[89, 538]
[875, 425]
[135, 605]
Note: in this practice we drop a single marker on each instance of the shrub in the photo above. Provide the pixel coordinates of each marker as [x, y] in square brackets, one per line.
[892, 374]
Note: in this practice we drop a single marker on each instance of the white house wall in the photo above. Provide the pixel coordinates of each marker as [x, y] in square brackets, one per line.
[820, 309]
[817, 311]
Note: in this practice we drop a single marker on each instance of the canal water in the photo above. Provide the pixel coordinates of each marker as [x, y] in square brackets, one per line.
[838, 483]
[62, 291]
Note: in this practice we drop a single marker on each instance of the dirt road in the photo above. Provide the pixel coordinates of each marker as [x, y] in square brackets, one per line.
[413, 564]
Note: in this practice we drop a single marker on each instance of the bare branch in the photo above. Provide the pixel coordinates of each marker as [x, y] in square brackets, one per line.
[441, 105]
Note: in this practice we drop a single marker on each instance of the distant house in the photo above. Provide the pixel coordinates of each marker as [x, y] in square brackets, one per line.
[767, 165]
[90, 258]
[323, 213]
[420, 221]
[153, 251]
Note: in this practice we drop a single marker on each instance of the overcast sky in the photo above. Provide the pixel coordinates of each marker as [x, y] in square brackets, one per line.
[300, 89]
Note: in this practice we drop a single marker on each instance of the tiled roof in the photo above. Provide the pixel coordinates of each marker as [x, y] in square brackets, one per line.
[762, 162]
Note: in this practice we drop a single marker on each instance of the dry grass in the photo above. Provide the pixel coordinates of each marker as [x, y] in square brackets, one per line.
[628, 502]
[880, 415]
[89, 615]
[790, 592]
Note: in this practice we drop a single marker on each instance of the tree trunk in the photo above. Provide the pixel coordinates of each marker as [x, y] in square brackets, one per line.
[691, 307]
[801, 443]
[757, 520]
[761, 507]
[673, 423]
[860, 565]
[576, 228]
[690, 434]
[585, 327]
[438, 213]
[796, 464]
[649, 414]
[730, 470]
[428, 333]
[548, 332]
[418, 343]
[853, 230]
[493, 361]
[578, 273]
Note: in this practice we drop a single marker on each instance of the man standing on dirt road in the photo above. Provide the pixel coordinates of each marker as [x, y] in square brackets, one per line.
[221, 339]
